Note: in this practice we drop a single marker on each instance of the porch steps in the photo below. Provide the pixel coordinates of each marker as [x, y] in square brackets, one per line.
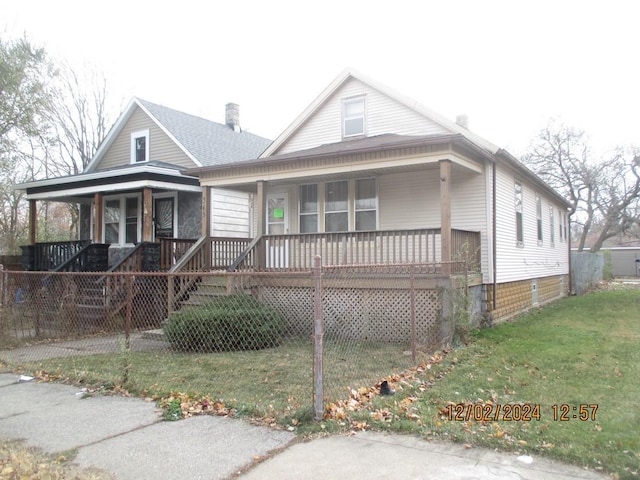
[90, 307]
[209, 288]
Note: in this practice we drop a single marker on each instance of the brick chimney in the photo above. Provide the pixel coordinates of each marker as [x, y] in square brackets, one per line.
[232, 116]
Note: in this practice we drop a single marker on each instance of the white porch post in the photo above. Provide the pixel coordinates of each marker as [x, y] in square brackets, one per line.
[206, 211]
[261, 209]
[206, 224]
[445, 215]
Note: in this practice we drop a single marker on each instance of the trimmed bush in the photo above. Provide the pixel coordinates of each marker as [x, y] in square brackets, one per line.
[234, 322]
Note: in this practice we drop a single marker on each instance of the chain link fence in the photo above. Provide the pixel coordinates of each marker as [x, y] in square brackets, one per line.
[280, 344]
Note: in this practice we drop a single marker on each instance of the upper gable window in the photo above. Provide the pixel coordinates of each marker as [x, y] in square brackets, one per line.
[353, 117]
[140, 146]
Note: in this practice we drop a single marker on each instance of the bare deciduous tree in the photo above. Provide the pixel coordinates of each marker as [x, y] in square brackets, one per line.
[81, 119]
[603, 194]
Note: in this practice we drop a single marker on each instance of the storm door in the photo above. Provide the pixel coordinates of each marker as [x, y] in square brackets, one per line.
[278, 226]
[164, 214]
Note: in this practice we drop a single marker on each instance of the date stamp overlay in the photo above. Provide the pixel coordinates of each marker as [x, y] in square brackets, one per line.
[517, 412]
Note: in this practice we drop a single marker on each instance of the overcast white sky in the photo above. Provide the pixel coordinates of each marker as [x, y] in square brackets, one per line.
[508, 65]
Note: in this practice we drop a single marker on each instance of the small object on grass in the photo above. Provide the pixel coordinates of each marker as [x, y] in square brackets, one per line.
[385, 389]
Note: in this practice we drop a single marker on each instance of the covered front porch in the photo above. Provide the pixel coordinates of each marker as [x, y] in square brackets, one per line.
[391, 200]
[119, 209]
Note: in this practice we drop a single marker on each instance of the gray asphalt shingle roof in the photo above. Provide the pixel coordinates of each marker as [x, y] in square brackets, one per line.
[209, 142]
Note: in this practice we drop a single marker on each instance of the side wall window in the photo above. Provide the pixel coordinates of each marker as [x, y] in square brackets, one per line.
[518, 209]
[552, 226]
[539, 218]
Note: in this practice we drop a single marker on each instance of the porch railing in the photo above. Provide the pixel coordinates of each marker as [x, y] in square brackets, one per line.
[172, 250]
[207, 253]
[296, 251]
[45, 256]
[94, 257]
[143, 258]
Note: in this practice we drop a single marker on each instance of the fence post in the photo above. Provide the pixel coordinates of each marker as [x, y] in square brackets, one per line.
[413, 313]
[127, 329]
[127, 320]
[318, 335]
[170, 294]
[2, 295]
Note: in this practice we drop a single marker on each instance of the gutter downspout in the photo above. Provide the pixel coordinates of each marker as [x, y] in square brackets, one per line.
[494, 267]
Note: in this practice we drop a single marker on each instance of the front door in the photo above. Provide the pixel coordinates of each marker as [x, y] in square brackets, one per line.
[163, 216]
[277, 221]
[277, 224]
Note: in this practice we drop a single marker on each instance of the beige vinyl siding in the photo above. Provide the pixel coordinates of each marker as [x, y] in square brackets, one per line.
[383, 115]
[161, 147]
[230, 213]
[532, 260]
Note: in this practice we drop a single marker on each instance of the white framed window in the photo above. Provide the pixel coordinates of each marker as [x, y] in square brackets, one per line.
[353, 117]
[552, 227]
[560, 230]
[122, 219]
[309, 208]
[539, 218]
[140, 146]
[518, 209]
[336, 206]
[365, 204]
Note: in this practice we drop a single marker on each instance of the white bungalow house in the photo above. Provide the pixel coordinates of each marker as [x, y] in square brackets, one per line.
[365, 175]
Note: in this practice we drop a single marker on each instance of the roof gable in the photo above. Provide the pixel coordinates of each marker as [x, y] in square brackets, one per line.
[204, 142]
[403, 115]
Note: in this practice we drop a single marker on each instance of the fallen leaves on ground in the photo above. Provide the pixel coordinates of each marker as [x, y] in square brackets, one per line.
[362, 398]
[18, 461]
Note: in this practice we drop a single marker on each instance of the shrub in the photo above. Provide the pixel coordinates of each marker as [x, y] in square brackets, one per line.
[234, 322]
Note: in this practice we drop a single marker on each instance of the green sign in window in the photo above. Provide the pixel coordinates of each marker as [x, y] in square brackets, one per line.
[278, 213]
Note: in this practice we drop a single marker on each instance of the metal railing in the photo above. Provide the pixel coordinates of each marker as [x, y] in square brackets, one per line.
[45, 256]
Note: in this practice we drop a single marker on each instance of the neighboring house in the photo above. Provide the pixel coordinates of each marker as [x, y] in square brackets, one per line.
[134, 189]
[367, 176]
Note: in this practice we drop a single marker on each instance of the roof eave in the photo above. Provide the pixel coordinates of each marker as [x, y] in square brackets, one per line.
[516, 164]
[301, 155]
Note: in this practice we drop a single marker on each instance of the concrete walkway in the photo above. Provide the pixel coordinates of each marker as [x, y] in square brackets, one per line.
[126, 436]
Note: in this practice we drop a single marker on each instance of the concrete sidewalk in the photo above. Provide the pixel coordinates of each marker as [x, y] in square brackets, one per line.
[126, 436]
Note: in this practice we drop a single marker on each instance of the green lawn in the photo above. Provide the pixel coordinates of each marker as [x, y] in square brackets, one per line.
[578, 351]
[275, 381]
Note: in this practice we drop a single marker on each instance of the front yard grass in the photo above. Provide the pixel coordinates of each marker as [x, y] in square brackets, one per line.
[275, 382]
[578, 351]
